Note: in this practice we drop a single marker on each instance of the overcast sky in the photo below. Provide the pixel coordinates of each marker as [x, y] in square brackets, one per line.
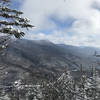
[73, 22]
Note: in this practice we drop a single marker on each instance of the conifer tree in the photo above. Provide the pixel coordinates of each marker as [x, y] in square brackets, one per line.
[82, 88]
[93, 85]
[11, 23]
[65, 85]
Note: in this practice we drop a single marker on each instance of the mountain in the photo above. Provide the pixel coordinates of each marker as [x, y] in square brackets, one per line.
[40, 59]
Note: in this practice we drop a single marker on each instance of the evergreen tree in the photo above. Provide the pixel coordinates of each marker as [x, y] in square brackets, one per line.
[93, 85]
[82, 88]
[11, 23]
[89, 87]
[65, 85]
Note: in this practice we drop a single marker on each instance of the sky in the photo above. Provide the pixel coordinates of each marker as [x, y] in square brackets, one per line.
[72, 22]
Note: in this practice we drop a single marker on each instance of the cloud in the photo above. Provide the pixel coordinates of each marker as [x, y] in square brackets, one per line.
[83, 17]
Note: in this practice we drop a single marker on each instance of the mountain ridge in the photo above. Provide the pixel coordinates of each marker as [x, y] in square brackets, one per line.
[37, 60]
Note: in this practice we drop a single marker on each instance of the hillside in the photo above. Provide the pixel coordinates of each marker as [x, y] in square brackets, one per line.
[41, 59]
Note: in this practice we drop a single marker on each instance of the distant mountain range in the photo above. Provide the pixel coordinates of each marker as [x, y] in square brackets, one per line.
[40, 58]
